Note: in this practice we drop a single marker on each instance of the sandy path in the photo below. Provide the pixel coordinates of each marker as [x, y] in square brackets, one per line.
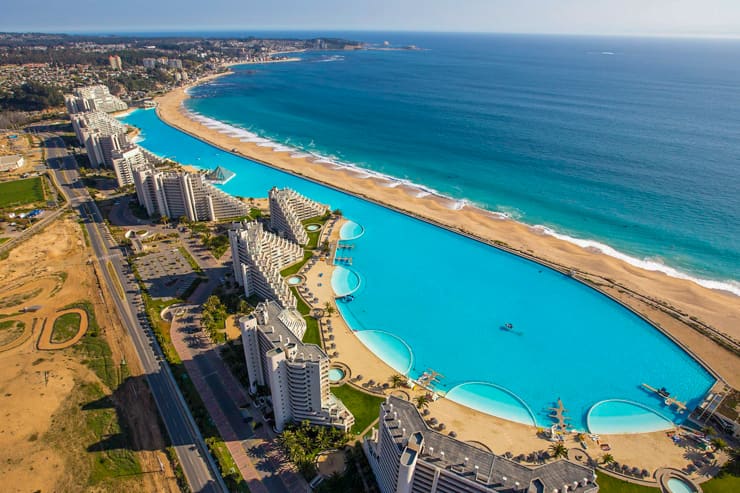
[47, 329]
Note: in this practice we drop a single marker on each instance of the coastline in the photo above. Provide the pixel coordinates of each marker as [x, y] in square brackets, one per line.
[651, 294]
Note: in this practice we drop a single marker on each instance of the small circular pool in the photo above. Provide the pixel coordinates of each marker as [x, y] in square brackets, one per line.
[344, 281]
[335, 375]
[676, 485]
[313, 227]
[294, 280]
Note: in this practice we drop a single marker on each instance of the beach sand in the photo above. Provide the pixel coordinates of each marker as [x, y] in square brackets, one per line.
[653, 294]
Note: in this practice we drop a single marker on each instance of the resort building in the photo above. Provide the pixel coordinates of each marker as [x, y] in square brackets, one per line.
[93, 98]
[288, 210]
[101, 134]
[296, 374]
[177, 193]
[407, 456]
[126, 160]
[258, 256]
[115, 62]
[9, 163]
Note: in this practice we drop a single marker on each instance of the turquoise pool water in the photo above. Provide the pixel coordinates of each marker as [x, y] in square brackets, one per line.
[350, 231]
[313, 227]
[344, 281]
[617, 416]
[335, 374]
[430, 298]
[293, 280]
[679, 486]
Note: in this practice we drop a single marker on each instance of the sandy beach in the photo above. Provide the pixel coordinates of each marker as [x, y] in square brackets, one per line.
[660, 298]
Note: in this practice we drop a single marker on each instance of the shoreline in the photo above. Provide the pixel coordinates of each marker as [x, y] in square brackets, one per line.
[624, 282]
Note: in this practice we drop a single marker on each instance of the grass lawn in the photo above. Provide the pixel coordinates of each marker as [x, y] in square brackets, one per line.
[727, 483]
[3, 240]
[65, 327]
[608, 484]
[312, 335]
[293, 269]
[363, 406]
[21, 192]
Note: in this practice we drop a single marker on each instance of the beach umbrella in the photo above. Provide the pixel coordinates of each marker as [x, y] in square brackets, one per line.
[453, 434]
[645, 473]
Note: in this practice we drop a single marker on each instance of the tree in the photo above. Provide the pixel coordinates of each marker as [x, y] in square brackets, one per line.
[719, 444]
[558, 450]
[397, 380]
[329, 309]
[422, 401]
[164, 220]
[243, 307]
[607, 459]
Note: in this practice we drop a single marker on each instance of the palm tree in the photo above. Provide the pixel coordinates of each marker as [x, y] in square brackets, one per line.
[164, 220]
[558, 450]
[719, 444]
[422, 401]
[607, 459]
[397, 380]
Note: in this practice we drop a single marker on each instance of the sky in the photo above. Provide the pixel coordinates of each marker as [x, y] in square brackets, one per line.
[608, 17]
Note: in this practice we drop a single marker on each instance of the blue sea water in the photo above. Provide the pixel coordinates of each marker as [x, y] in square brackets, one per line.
[429, 298]
[624, 143]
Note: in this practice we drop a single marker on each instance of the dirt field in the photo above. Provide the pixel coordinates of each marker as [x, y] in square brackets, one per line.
[63, 429]
[27, 145]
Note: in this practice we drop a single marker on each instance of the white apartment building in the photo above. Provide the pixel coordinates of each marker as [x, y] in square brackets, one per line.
[93, 98]
[177, 193]
[288, 210]
[258, 256]
[126, 160]
[101, 134]
[407, 456]
[296, 374]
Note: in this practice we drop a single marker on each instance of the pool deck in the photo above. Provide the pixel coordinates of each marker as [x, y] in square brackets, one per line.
[650, 451]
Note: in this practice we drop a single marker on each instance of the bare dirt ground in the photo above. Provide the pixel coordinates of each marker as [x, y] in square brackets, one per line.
[45, 400]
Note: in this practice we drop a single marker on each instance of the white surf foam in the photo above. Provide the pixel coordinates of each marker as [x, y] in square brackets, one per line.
[421, 191]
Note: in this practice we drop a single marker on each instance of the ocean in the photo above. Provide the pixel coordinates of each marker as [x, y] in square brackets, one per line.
[629, 145]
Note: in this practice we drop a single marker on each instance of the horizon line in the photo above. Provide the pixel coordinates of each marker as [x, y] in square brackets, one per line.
[199, 32]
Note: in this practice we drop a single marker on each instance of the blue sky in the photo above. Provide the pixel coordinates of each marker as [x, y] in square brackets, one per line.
[638, 17]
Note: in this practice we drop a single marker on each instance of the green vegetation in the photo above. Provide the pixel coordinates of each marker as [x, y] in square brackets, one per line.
[31, 96]
[302, 307]
[303, 442]
[65, 327]
[214, 319]
[232, 477]
[96, 352]
[609, 484]
[217, 244]
[3, 240]
[351, 481]
[193, 264]
[10, 330]
[21, 192]
[364, 407]
[728, 480]
[313, 334]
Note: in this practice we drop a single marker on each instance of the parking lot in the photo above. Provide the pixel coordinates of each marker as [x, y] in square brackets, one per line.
[166, 274]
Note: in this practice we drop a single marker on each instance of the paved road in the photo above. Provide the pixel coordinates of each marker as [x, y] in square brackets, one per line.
[197, 464]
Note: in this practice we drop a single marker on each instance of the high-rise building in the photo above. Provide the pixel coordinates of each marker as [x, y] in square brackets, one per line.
[288, 210]
[149, 62]
[175, 63]
[93, 98]
[101, 135]
[126, 160]
[296, 374]
[407, 456]
[115, 62]
[178, 193]
[258, 256]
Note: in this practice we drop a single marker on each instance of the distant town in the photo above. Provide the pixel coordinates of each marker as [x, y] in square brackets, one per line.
[36, 69]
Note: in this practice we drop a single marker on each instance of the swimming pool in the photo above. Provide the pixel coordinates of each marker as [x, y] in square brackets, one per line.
[344, 281]
[335, 375]
[428, 298]
[313, 227]
[676, 485]
[295, 280]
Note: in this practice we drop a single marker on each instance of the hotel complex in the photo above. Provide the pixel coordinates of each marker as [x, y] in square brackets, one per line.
[93, 98]
[101, 134]
[296, 374]
[258, 256]
[178, 193]
[406, 456]
[288, 210]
